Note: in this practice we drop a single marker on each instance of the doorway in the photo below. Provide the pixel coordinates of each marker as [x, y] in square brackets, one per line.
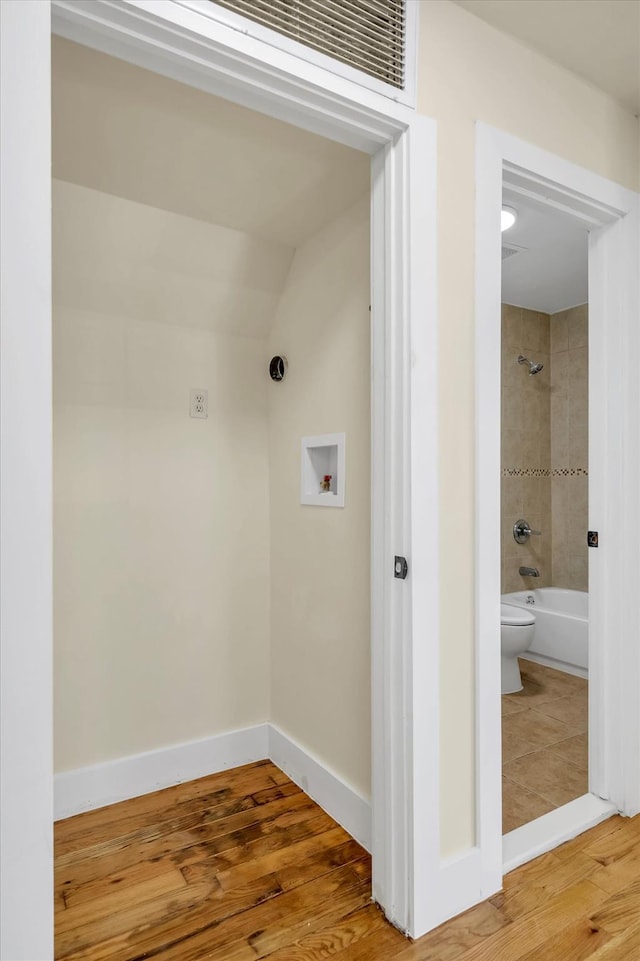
[184, 43]
[193, 240]
[544, 511]
[609, 214]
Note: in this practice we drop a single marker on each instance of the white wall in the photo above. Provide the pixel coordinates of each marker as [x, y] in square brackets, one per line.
[320, 565]
[469, 72]
[161, 616]
[26, 803]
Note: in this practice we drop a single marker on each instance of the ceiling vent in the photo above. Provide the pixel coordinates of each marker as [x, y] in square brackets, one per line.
[509, 250]
[368, 35]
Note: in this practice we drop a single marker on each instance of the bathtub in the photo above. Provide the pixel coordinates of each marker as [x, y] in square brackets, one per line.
[561, 636]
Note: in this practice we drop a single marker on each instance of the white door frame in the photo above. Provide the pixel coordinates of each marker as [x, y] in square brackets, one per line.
[190, 46]
[26, 688]
[612, 214]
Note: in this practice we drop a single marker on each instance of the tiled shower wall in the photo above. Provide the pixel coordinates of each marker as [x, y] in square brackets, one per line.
[570, 447]
[544, 461]
[526, 447]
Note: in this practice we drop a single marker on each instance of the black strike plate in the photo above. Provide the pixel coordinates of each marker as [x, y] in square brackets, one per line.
[592, 538]
[400, 567]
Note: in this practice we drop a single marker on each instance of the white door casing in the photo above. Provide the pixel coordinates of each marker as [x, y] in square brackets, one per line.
[26, 690]
[612, 215]
[180, 42]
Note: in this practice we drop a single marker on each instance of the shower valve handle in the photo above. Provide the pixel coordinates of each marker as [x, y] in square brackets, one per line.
[522, 531]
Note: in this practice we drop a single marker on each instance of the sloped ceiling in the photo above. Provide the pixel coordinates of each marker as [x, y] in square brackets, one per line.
[143, 137]
[119, 258]
[597, 39]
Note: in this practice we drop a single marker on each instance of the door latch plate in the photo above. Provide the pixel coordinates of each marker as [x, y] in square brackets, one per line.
[400, 567]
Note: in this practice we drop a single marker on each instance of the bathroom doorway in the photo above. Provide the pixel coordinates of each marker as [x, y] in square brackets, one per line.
[544, 510]
[511, 170]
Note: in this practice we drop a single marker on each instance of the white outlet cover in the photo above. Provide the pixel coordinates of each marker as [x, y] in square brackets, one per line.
[199, 403]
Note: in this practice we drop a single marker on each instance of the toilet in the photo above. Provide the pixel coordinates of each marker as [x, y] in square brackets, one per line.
[516, 634]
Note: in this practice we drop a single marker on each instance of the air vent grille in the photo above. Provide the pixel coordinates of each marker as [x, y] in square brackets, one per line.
[366, 34]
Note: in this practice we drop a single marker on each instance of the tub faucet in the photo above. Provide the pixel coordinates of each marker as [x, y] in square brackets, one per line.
[529, 572]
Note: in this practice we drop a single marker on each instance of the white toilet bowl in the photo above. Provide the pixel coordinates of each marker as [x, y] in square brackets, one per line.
[516, 634]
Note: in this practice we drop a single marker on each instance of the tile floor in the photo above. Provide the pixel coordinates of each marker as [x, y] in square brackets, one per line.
[544, 744]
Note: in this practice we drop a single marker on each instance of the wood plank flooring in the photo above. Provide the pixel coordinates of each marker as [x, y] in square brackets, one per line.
[243, 866]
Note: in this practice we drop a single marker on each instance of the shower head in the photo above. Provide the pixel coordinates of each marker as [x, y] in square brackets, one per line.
[533, 367]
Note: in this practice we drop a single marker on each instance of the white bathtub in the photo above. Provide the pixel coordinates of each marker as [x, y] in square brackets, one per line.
[561, 636]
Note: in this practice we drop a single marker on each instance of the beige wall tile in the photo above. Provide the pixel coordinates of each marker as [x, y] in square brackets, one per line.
[512, 371]
[560, 571]
[559, 443]
[510, 447]
[526, 445]
[510, 495]
[511, 325]
[578, 366]
[578, 319]
[559, 329]
[576, 535]
[511, 580]
[531, 494]
[570, 446]
[579, 570]
[576, 454]
[581, 495]
[535, 331]
[544, 330]
[560, 375]
[512, 408]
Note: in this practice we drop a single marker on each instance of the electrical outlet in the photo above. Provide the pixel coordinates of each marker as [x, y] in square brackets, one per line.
[199, 403]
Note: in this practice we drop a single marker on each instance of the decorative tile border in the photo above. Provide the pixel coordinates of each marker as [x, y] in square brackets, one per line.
[545, 472]
[570, 472]
[526, 472]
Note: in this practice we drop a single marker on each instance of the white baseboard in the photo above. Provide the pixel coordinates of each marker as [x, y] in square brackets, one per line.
[334, 796]
[557, 665]
[93, 787]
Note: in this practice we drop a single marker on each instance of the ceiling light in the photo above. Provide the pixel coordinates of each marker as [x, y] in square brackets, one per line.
[508, 218]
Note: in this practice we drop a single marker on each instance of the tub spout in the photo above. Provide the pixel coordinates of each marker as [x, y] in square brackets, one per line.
[529, 572]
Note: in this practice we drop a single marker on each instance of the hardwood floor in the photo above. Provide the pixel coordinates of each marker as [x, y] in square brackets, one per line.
[243, 865]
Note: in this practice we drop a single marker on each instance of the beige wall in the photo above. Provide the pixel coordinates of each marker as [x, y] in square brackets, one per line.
[570, 447]
[526, 447]
[161, 612]
[162, 522]
[193, 593]
[320, 567]
[469, 72]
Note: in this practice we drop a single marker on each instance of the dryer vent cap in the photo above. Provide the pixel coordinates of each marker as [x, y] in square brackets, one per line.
[278, 368]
